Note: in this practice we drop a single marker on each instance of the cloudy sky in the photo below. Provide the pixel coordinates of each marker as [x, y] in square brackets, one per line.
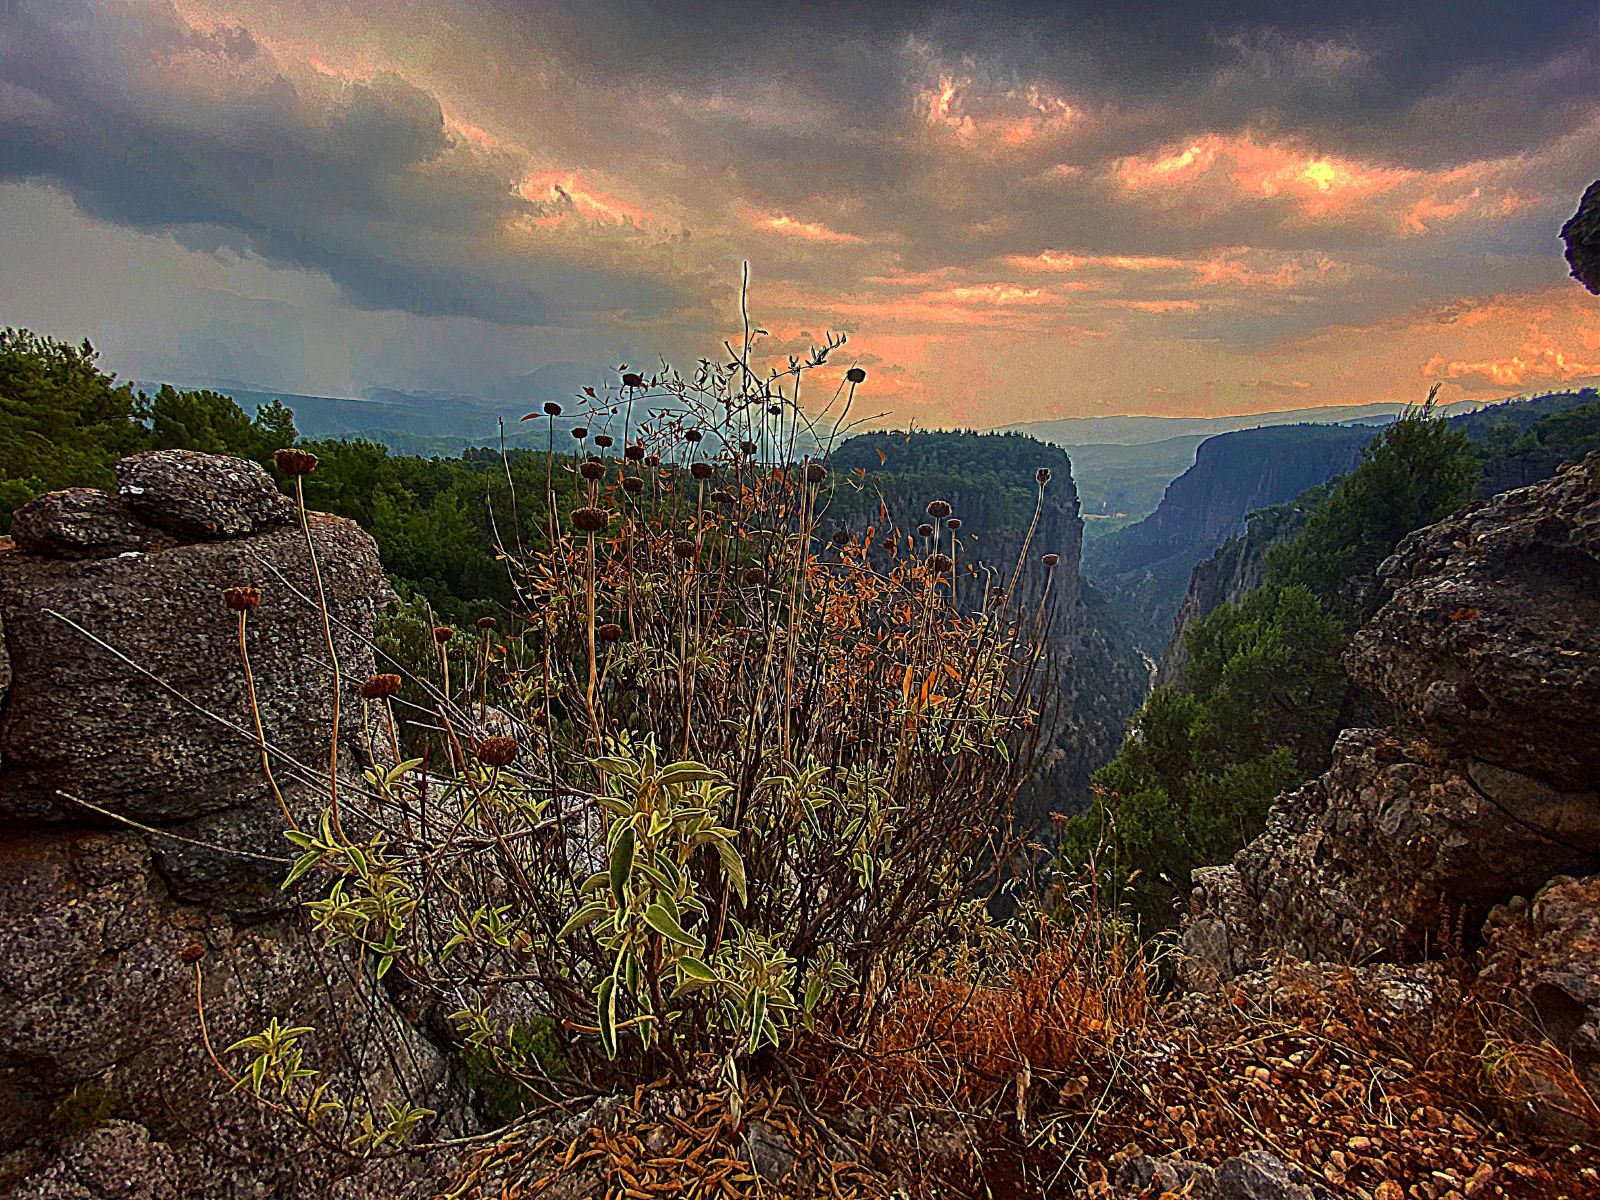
[1014, 210]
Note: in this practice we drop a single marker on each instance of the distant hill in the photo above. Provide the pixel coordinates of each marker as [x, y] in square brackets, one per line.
[1137, 430]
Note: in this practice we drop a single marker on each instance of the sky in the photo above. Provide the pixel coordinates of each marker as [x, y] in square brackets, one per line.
[1014, 211]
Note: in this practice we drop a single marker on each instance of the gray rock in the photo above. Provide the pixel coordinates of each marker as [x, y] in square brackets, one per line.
[79, 718]
[78, 523]
[115, 1160]
[197, 495]
[1582, 235]
[1489, 641]
[1369, 860]
[1261, 1175]
[768, 1152]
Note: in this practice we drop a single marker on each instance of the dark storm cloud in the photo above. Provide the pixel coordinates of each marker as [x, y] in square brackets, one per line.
[148, 123]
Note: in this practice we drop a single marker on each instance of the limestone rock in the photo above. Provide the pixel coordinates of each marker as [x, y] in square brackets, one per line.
[78, 523]
[198, 495]
[95, 998]
[80, 717]
[1582, 235]
[1489, 642]
[1371, 859]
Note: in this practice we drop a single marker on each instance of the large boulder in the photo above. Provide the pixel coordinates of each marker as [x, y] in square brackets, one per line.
[128, 690]
[1582, 235]
[1489, 642]
[122, 686]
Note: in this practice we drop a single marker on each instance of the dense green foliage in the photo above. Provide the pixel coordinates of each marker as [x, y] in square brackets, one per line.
[1265, 687]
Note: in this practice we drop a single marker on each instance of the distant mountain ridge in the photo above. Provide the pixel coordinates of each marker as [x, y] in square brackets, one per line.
[1138, 429]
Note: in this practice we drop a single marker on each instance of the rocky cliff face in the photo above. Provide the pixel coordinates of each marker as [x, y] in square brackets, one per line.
[1486, 789]
[1148, 565]
[143, 848]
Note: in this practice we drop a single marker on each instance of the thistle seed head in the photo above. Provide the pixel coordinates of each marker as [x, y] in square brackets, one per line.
[925, 530]
[609, 632]
[692, 435]
[579, 432]
[485, 622]
[443, 633]
[634, 453]
[378, 687]
[685, 548]
[816, 472]
[294, 462]
[1042, 475]
[496, 751]
[755, 576]
[939, 564]
[552, 409]
[856, 375]
[593, 470]
[632, 484]
[242, 599]
[1051, 559]
[590, 520]
[604, 440]
[953, 524]
[701, 470]
[632, 379]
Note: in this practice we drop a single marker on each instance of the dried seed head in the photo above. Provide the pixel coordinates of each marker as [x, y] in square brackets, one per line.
[924, 530]
[592, 470]
[590, 520]
[632, 379]
[293, 461]
[841, 537]
[604, 440]
[938, 508]
[552, 409]
[856, 375]
[192, 953]
[632, 484]
[722, 496]
[953, 524]
[939, 564]
[496, 751]
[747, 448]
[378, 687]
[242, 599]
[816, 472]
[485, 622]
[579, 432]
[1051, 559]
[443, 633]
[685, 548]
[701, 470]
[1042, 474]
[692, 435]
[755, 576]
[775, 410]
[609, 632]
[634, 453]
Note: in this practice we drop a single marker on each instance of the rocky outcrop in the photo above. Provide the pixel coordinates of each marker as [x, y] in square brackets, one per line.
[142, 848]
[1582, 235]
[1487, 651]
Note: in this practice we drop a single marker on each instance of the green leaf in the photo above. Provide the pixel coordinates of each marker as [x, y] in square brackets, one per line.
[584, 917]
[732, 867]
[659, 919]
[301, 865]
[696, 968]
[758, 1017]
[622, 866]
[606, 1011]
